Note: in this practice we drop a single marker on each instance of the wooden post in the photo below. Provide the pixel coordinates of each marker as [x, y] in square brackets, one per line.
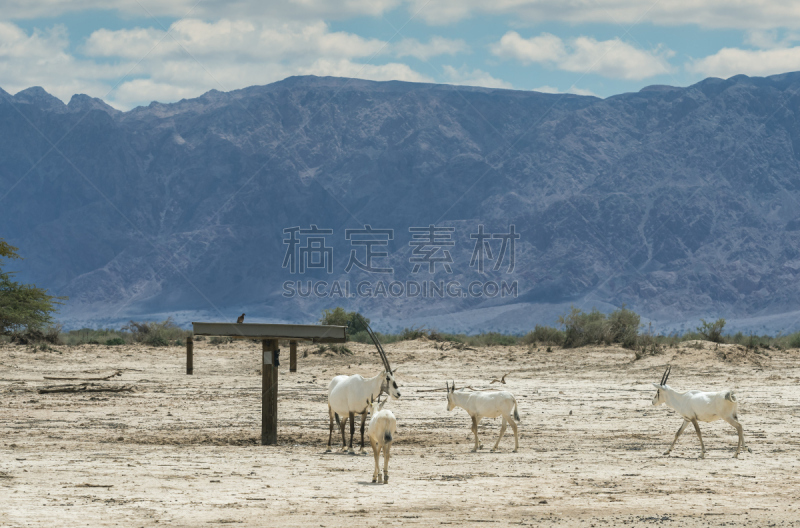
[269, 392]
[292, 356]
[189, 355]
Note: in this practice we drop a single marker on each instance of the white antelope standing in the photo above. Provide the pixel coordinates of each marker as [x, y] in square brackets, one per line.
[695, 405]
[346, 397]
[382, 427]
[486, 404]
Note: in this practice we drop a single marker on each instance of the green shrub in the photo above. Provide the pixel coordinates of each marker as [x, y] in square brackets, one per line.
[712, 331]
[217, 340]
[582, 329]
[115, 341]
[623, 327]
[354, 321]
[409, 334]
[544, 335]
[156, 334]
[24, 308]
[50, 334]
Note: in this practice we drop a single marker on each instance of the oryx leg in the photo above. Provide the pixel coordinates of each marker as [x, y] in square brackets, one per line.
[386, 462]
[680, 430]
[376, 452]
[739, 430]
[475, 421]
[697, 428]
[352, 431]
[502, 432]
[516, 436]
[363, 422]
[342, 425]
[330, 433]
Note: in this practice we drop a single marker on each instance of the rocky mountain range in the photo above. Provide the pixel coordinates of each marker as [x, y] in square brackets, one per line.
[680, 203]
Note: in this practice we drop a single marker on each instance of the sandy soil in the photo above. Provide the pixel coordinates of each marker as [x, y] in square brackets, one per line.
[185, 451]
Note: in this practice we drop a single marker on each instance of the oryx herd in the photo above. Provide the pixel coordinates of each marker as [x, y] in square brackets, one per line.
[349, 396]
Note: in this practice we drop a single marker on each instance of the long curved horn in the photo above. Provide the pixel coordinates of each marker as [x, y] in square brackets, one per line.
[377, 343]
[665, 375]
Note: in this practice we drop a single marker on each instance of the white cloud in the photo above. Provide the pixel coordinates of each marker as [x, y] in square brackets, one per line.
[241, 40]
[41, 58]
[465, 77]
[739, 14]
[571, 90]
[136, 66]
[728, 62]
[435, 46]
[209, 9]
[610, 58]
[544, 48]
[382, 72]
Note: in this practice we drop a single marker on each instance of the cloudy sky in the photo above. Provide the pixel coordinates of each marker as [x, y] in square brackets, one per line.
[166, 50]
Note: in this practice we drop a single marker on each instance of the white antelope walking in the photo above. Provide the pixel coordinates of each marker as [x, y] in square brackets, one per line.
[695, 405]
[486, 404]
[382, 427]
[346, 397]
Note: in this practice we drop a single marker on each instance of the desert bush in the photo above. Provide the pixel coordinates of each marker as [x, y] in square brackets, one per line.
[544, 335]
[218, 340]
[581, 328]
[409, 334]
[25, 310]
[792, 340]
[623, 328]
[338, 316]
[115, 341]
[712, 331]
[156, 334]
[31, 335]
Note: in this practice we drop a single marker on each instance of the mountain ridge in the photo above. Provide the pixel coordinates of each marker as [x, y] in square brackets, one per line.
[678, 202]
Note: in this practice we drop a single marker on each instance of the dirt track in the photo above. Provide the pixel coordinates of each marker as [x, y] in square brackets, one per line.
[184, 450]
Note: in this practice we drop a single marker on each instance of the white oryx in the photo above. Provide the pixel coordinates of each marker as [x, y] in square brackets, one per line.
[347, 396]
[382, 427]
[695, 405]
[486, 404]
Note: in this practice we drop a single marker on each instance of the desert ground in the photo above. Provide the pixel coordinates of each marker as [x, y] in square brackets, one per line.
[180, 450]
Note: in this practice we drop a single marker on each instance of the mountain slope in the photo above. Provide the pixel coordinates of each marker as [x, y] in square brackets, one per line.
[680, 202]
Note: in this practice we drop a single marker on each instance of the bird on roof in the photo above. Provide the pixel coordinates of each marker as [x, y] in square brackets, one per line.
[240, 319]
[501, 380]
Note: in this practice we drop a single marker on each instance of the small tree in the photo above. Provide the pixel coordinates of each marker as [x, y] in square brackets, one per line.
[712, 331]
[22, 306]
[354, 321]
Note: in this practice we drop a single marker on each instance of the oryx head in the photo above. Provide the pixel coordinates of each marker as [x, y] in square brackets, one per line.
[375, 406]
[451, 402]
[660, 398]
[389, 385]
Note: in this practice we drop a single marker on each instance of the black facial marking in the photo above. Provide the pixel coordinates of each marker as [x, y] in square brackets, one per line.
[395, 384]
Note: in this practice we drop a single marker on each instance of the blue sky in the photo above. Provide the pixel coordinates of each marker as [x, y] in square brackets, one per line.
[145, 50]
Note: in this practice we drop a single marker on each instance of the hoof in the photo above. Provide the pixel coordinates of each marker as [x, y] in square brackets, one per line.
[703, 455]
[749, 450]
[351, 452]
[374, 480]
[666, 453]
[474, 449]
[328, 450]
[514, 451]
[385, 480]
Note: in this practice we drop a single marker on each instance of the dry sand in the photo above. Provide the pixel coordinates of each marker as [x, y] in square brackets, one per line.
[185, 450]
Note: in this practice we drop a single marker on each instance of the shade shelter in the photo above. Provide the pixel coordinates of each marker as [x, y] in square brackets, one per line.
[269, 335]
